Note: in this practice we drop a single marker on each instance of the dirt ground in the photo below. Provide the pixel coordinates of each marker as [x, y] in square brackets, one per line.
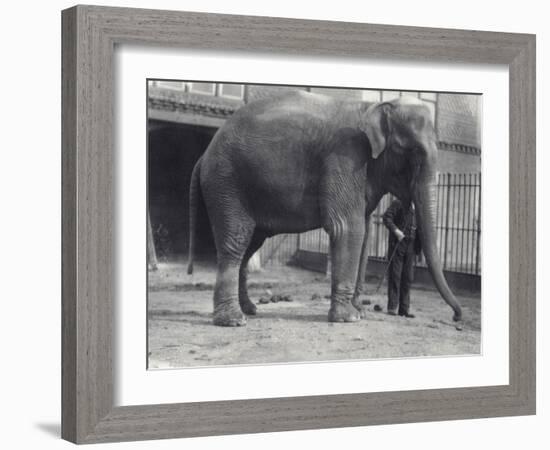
[181, 334]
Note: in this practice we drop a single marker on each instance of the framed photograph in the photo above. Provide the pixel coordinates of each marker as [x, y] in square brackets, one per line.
[277, 224]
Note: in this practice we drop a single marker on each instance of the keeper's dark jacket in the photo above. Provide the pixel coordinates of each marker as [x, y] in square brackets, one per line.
[396, 217]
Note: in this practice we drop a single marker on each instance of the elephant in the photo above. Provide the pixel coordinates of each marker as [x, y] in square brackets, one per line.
[303, 161]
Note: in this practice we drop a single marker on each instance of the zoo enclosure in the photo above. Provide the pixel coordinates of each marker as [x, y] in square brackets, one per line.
[458, 226]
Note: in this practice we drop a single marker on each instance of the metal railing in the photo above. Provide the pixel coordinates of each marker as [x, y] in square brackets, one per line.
[458, 226]
[279, 249]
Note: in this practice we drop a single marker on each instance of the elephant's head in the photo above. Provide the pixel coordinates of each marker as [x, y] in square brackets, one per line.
[404, 153]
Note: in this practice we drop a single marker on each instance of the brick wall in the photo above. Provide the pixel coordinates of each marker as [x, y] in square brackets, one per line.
[457, 119]
[457, 162]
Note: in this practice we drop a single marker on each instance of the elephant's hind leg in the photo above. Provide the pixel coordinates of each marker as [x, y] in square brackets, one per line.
[233, 236]
[244, 300]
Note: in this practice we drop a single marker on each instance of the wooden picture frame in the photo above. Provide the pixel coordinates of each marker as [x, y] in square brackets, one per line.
[90, 34]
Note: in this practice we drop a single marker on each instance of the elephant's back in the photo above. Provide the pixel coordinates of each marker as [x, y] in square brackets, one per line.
[283, 125]
[271, 131]
[269, 152]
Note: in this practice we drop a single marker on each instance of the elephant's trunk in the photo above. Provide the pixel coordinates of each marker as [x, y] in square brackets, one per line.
[425, 202]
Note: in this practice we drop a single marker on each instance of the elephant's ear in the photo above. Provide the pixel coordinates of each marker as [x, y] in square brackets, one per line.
[376, 126]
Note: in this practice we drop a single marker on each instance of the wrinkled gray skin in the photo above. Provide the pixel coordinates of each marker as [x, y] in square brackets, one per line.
[304, 161]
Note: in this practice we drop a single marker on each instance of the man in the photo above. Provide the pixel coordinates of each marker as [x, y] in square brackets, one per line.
[403, 245]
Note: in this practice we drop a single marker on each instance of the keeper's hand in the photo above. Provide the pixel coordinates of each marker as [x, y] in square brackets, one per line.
[399, 235]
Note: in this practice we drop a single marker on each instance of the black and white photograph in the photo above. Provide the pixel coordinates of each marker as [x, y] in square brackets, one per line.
[302, 224]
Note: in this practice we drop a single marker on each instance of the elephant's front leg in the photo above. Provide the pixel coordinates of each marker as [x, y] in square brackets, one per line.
[361, 272]
[346, 239]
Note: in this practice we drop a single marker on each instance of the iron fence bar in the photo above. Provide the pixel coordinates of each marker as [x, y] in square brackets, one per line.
[478, 225]
[451, 212]
[444, 193]
[377, 223]
[454, 233]
[456, 213]
[446, 230]
[439, 208]
[469, 221]
[456, 221]
[438, 213]
[461, 220]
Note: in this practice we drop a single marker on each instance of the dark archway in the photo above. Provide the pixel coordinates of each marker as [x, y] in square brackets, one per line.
[173, 150]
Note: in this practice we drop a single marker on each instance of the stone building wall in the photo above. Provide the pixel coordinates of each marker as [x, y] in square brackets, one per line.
[458, 118]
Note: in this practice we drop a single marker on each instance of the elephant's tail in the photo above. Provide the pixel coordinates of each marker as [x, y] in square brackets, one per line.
[194, 198]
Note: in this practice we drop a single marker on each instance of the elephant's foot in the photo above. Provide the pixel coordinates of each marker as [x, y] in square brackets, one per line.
[343, 312]
[247, 306]
[229, 315]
